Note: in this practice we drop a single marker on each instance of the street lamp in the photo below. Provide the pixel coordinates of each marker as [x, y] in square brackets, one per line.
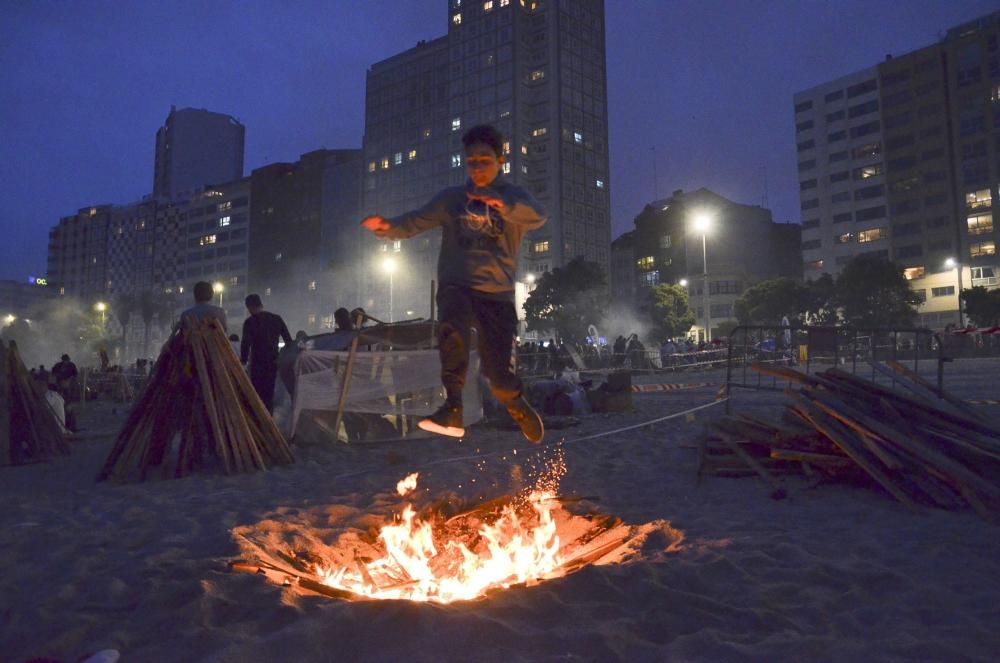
[218, 289]
[951, 263]
[702, 223]
[389, 267]
[529, 278]
[9, 319]
[102, 307]
[683, 283]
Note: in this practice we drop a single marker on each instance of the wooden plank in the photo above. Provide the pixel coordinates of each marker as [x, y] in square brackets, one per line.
[779, 490]
[933, 388]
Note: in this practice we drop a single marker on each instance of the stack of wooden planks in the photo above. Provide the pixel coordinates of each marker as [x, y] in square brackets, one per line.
[29, 429]
[198, 395]
[922, 445]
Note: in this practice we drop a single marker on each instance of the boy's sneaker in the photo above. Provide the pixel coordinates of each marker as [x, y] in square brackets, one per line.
[446, 421]
[529, 421]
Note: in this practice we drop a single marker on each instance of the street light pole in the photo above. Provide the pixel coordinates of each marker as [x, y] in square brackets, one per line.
[219, 288]
[389, 266]
[951, 262]
[708, 302]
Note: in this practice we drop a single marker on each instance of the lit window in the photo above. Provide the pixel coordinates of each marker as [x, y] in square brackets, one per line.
[505, 114]
[506, 147]
[397, 245]
[427, 133]
[456, 124]
[646, 262]
[226, 205]
[385, 163]
[539, 131]
[666, 241]
[650, 279]
[868, 171]
[371, 166]
[277, 257]
[814, 264]
[981, 249]
[977, 199]
[267, 292]
[312, 286]
[488, 6]
[600, 184]
[234, 280]
[456, 160]
[846, 238]
[871, 235]
[524, 149]
[577, 137]
[504, 3]
[311, 318]
[397, 158]
[537, 74]
[945, 291]
[542, 246]
[995, 91]
[506, 168]
[224, 221]
[980, 224]
[412, 155]
[911, 273]
[524, 168]
[207, 239]
[456, 19]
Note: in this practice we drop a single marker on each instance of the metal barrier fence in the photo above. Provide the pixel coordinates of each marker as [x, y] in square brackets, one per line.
[817, 348]
[646, 360]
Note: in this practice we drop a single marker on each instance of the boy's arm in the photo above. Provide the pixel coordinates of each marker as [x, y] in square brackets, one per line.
[516, 206]
[433, 214]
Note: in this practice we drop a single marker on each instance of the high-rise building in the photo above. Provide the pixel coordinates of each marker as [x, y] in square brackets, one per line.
[739, 246]
[298, 240]
[902, 160]
[196, 148]
[535, 70]
[77, 255]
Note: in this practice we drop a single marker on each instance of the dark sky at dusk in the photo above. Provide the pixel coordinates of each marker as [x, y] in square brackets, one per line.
[84, 86]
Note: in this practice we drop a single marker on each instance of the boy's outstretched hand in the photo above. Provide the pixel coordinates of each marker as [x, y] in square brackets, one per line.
[376, 224]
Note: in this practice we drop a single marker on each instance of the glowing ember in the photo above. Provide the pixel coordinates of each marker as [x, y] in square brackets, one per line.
[408, 485]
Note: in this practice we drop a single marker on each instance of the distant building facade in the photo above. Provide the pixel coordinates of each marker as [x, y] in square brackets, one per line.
[24, 299]
[622, 278]
[902, 160]
[77, 254]
[535, 70]
[195, 148]
[742, 246]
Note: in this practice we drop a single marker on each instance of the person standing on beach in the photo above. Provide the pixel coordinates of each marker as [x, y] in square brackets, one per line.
[203, 309]
[483, 223]
[259, 347]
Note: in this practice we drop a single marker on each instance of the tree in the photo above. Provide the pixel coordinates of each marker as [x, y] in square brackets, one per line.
[567, 299]
[982, 306]
[669, 310]
[765, 303]
[873, 293]
[154, 304]
[123, 306]
[819, 306]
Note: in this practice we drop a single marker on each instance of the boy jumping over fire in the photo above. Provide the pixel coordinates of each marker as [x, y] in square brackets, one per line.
[482, 225]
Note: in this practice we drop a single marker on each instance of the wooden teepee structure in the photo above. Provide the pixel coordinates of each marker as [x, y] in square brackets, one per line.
[199, 394]
[29, 429]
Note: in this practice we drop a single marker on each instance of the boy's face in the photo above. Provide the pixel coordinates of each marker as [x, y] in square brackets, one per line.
[482, 163]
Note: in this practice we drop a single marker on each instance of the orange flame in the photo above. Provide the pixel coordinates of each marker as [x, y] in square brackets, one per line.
[512, 550]
[407, 485]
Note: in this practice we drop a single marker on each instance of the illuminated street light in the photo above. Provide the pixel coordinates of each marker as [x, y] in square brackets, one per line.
[702, 223]
[218, 289]
[389, 267]
[683, 283]
[102, 307]
[9, 319]
[529, 278]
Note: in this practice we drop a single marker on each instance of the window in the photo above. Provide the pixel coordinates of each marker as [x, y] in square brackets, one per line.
[911, 251]
[978, 199]
[385, 163]
[813, 264]
[206, 240]
[537, 75]
[412, 155]
[666, 241]
[456, 161]
[984, 276]
[838, 156]
[224, 221]
[841, 218]
[911, 228]
[833, 96]
[810, 223]
[806, 145]
[846, 238]
[866, 172]
[943, 291]
[426, 134]
[599, 184]
[861, 88]
[504, 3]
[841, 197]
[863, 109]
[840, 176]
[981, 249]
[397, 158]
[835, 136]
[397, 245]
[650, 279]
[865, 129]
[277, 258]
[809, 204]
[980, 224]
[538, 131]
[905, 184]
[803, 126]
[456, 123]
[921, 294]
[911, 273]
[807, 184]
[868, 151]
[456, 19]
[235, 280]
[836, 115]
[811, 244]
[542, 246]
[312, 286]
[647, 262]
[577, 137]
[488, 6]
[869, 192]
[371, 166]
[807, 165]
[803, 106]
[226, 205]
[871, 235]
[267, 292]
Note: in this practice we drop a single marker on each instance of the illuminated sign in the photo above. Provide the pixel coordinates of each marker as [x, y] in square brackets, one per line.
[37, 281]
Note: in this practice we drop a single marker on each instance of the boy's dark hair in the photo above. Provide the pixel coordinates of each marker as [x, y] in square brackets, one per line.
[486, 134]
[253, 301]
[202, 292]
[343, 319]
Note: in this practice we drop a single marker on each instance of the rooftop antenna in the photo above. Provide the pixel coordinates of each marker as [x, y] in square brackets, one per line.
[656, 179]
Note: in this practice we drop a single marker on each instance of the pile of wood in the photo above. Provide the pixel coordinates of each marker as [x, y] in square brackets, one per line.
[199, 396]
[29, 429]
[921, 444]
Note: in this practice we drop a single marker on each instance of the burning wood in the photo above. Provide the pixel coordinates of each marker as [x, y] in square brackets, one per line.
[923, 446]
[197, 392]
[513, 540]
[29, 429]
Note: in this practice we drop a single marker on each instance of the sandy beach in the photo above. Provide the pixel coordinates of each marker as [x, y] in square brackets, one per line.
[833, 573]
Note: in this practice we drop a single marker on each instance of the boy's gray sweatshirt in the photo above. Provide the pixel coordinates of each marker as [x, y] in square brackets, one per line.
[479, 245]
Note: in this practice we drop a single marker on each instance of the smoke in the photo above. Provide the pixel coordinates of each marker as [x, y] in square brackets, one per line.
[622, 320]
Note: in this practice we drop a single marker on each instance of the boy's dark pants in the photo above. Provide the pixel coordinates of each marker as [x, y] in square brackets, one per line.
[460, 309]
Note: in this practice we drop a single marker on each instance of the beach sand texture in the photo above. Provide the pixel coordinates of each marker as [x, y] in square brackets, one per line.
[836, 572]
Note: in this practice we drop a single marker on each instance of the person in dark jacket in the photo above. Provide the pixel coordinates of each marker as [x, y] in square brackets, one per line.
[259, 347]
[482, 225]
